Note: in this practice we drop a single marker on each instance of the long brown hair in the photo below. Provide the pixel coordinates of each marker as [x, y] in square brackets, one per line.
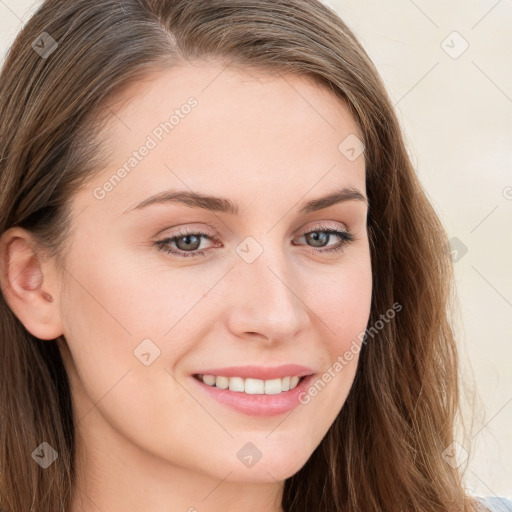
[384, 451]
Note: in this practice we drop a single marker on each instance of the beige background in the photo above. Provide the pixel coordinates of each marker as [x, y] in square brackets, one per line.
[456, 109]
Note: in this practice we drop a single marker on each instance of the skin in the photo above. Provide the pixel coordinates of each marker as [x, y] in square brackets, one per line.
[147, 437]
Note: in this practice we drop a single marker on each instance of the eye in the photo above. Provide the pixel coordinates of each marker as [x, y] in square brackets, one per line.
[323, 234]
[187, 242]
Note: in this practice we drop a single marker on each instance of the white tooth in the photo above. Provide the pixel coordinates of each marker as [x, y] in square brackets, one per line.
[254, 386]
[209, 379]
[294, 381]
[222, 382]
[272, 387]
[236, 384]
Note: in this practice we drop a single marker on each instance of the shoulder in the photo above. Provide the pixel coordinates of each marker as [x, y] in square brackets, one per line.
[497, 504]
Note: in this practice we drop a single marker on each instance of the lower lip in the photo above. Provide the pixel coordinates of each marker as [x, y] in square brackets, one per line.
[258, 405]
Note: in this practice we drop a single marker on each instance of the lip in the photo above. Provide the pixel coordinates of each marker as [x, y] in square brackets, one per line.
[259, 372]
[257, 405]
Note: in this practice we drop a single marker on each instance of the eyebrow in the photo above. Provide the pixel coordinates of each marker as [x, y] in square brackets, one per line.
[223, 205]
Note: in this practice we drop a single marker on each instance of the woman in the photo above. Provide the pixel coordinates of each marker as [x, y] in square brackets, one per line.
[300, 358]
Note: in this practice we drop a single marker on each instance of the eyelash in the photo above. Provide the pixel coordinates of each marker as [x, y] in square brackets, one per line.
[346, 238]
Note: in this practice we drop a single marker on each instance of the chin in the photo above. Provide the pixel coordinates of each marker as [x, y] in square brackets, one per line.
[275, 463]
[269, 471]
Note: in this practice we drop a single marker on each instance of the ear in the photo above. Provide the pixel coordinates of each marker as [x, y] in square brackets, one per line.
[29, 284]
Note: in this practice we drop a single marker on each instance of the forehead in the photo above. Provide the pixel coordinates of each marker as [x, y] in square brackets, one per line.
[215, 129]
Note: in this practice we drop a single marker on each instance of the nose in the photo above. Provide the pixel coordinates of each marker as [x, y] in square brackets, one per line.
[265, 299]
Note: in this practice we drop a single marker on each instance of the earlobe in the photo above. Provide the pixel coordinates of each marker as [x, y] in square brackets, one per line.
[28, 285]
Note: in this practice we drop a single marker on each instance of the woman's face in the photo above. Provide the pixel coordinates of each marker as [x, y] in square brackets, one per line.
[158, 293]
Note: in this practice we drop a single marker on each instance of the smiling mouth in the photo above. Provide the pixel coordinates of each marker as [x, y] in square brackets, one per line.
[251, 386]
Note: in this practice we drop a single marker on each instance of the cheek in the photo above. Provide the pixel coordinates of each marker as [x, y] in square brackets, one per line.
[107, 313]
[341, 312]
[122, 297]
[106, 322]
[342, 301]
[117, 310]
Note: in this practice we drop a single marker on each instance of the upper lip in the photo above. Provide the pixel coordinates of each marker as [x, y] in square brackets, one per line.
[259, 372]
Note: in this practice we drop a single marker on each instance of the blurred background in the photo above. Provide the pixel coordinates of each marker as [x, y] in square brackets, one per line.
[448, 69]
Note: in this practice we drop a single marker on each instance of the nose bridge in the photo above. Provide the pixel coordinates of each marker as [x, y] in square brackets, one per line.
[267, 298]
